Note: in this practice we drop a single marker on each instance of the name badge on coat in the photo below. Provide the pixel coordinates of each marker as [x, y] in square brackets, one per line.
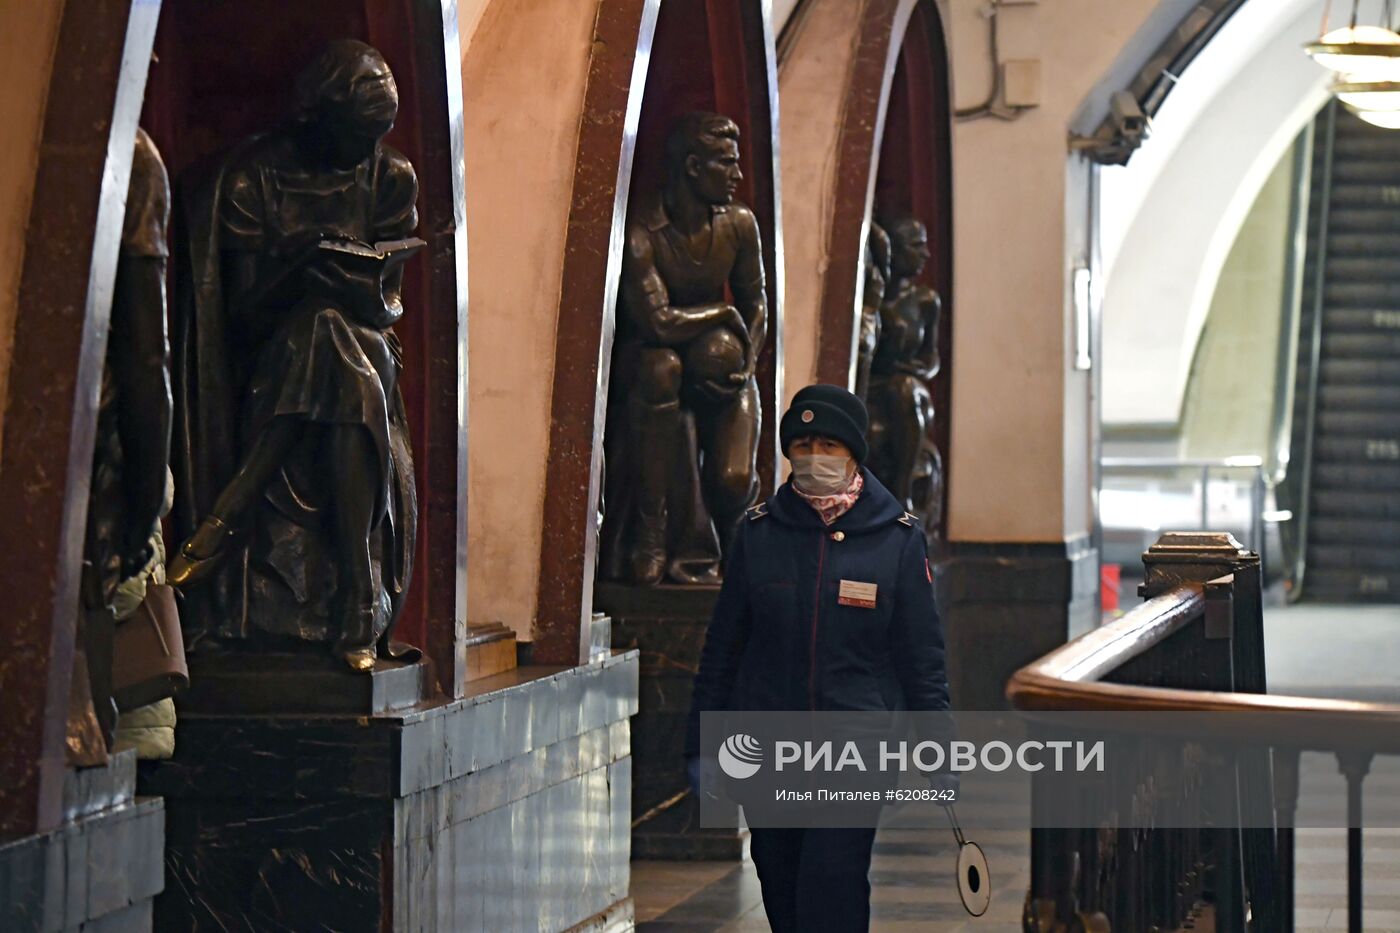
[857, 594]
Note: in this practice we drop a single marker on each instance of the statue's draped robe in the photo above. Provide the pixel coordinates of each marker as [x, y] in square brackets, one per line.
[143, 237]
[315, 364]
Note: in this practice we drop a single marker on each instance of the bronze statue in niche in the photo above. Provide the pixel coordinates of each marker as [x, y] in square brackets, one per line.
[683, 410]
[130, 478]
[903, 453]
[294, 472]
[877, 273]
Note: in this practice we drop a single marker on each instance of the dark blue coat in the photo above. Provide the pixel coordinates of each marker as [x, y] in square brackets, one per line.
[782, 639]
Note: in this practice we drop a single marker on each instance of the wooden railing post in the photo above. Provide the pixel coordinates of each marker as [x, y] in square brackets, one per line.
[1286, 761]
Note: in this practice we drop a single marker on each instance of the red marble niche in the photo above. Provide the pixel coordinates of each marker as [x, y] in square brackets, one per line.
[915, 176]
[716, 55]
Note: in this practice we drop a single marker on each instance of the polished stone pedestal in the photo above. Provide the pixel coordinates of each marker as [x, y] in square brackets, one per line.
[303, 682]
[99, 870]
[505, 810]
[667, 625]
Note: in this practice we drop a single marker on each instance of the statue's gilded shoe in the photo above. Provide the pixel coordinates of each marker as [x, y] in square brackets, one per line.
[356, 644]
[361, 659]
[198, 557]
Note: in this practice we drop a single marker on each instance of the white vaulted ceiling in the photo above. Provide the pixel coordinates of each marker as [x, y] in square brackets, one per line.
[1169, 218]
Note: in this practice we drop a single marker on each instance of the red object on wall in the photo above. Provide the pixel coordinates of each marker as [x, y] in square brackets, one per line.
[1110, 582]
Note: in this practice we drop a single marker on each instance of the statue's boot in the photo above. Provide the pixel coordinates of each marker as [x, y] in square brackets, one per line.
[356, 644]
[200, 555]
[656, 428]
[649, 546]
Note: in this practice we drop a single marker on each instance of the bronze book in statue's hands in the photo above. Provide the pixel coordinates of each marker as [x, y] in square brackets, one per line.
[364, 259]
[358, 275]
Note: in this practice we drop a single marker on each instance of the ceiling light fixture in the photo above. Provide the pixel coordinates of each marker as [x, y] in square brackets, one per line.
[1357, 51]
[1385, 119]
[1367, 61]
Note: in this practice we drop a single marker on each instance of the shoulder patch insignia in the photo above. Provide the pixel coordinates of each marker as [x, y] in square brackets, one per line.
[908, 518]
[757, 511]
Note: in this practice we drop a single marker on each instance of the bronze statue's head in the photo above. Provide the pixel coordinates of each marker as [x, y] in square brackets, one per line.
[909, 251]
[349, 89]
[702, 152]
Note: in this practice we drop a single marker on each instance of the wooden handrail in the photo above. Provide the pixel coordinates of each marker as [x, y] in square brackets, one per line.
[1069, 679]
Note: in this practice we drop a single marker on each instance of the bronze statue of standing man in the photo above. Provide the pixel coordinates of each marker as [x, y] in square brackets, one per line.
[684, 412]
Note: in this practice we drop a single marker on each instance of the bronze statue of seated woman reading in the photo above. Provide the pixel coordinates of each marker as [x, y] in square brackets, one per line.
[293, 462]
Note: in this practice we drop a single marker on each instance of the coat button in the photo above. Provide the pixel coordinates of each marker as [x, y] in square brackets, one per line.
[838, 536]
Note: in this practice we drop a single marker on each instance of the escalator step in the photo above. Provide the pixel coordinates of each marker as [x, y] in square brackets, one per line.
[1361, 320]
[1362, 196]
[1359, 398]
[1353, 533]
[1349, 476]
[1361, 294]
[1365, 424]
[1361, 220]
[1325, 585]
[1348, 245]
[1360, 169]
[1331, 504]
[1357, 449]
[1360, 372]
[1361, 346]
[1345, 557]
[1358, 146]
[1372, 266]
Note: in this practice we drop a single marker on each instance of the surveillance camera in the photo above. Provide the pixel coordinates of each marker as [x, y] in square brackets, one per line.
[1119, 135]
[1128, 117]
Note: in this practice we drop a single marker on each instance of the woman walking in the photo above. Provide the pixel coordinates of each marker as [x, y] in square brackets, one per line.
[827, 604]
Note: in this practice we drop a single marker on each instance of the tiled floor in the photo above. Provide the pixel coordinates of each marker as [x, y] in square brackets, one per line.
[912, 875]
[1321, 886]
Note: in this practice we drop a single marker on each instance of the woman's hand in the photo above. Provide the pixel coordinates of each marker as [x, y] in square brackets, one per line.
[947, 784]
[704, 775]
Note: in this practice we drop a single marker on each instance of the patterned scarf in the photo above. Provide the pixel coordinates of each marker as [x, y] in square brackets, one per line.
[830, 508]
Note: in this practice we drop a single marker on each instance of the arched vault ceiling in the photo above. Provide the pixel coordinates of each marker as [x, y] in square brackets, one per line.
[1169, 218]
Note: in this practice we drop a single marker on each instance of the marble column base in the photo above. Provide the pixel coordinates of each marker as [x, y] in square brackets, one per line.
[1005, 605]
[666, 624]
[99, 870]
[507, 809]
[490, 650]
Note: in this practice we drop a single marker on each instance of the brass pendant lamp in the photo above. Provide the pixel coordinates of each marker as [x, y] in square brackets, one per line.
[1366, 59]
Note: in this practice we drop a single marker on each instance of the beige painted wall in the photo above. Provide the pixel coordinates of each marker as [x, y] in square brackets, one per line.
[1230, 396]
[524, 68]
[1019, 465]
[812, 81]
[28, 37]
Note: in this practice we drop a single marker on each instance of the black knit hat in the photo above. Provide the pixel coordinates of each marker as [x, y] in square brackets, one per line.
[826, 411]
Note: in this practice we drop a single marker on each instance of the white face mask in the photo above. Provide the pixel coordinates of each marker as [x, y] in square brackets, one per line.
[821, 474]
